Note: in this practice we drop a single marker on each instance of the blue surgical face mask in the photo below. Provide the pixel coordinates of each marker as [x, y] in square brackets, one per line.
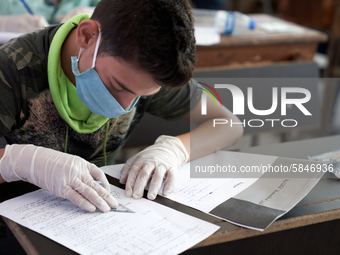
[92, 91]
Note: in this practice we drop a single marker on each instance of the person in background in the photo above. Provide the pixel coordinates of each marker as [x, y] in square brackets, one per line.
[22, 16]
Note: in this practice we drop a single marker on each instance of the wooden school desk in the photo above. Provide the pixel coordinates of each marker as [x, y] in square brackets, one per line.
[262, 46]
[312, 227]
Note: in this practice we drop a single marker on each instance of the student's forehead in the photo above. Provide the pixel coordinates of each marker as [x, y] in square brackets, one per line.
[125, 73]
[114, 64]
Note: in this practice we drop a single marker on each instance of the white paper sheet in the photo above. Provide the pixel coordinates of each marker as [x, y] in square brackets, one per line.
[205, 194]
[152, 229]
[202, 194]
[270, 194]
[237, 200]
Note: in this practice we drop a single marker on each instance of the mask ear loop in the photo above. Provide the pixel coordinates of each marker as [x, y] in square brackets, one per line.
[80, 51]
[96, 49]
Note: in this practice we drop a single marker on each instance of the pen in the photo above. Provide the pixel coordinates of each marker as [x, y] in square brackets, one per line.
[27, 7]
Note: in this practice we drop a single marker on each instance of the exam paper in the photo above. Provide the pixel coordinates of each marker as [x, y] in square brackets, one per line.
[205, 193]
[152, 229]
[249, 202]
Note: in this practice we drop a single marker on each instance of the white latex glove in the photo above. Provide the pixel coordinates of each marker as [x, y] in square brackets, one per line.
[156, 162]
[62, 174]
[23, 23]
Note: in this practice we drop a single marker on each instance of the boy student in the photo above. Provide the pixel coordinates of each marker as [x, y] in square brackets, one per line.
[72, 93]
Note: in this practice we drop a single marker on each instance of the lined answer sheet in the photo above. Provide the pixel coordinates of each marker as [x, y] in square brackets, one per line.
[152, 229]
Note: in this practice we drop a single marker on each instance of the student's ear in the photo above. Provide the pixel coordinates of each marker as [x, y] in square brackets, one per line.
[87, 33]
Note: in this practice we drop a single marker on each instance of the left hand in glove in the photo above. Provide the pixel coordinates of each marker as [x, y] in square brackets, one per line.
[157, 161]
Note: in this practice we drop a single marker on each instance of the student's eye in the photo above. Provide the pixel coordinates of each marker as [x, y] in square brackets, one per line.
[115, 88]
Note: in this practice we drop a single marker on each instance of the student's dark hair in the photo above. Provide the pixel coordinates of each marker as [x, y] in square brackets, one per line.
[156, 36]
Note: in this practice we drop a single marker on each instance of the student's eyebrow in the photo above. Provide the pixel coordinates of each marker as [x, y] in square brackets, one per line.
[127, 89]
[123, 86]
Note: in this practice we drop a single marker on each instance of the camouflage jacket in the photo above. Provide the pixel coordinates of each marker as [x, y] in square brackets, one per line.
[29, 116]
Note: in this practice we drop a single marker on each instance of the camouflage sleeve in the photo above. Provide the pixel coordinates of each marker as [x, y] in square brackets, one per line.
[175, 103]
[10, 94]
[23, 75]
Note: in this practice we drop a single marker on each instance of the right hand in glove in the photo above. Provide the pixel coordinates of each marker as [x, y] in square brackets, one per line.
[22, 23]
[62, 174]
